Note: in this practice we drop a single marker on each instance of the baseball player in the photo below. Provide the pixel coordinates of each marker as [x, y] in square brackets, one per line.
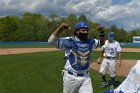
[132, 83]
[77, 48]
[109, 51]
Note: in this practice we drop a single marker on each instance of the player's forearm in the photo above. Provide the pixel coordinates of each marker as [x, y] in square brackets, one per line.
[54, 35]
[102, 38]
[102, 54]
[52, 38]
[100, 28]
[57, 31]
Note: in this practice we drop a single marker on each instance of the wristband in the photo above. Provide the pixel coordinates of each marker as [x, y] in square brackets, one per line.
[102, 34]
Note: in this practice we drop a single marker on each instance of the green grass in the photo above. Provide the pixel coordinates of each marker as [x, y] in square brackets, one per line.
[41, 72]
[43, 46]
[130, 46]
[31, 73]
[131, 55]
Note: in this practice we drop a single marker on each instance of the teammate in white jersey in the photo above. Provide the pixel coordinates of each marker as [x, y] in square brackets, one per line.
[77, 48]
[132, 82]
[110, 50]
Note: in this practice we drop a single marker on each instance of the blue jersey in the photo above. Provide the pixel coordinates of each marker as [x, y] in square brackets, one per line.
[78, 52]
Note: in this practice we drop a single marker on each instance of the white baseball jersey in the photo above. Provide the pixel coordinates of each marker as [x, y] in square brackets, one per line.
[111, 49]
[72, 83]
[132, 83]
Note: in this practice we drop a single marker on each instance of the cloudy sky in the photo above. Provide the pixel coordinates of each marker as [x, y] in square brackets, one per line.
[123, 13]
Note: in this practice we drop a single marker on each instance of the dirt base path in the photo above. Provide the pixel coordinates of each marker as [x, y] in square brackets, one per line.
[122, 70]
[24, 50]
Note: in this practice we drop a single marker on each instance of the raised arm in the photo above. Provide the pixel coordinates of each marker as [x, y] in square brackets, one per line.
[59, 29]
[100, 28]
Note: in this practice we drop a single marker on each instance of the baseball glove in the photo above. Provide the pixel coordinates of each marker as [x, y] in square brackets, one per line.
[99, 60]
[100, 28]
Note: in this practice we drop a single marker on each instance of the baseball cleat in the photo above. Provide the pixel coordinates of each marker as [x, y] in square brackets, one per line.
[112, 87]
[104, 84]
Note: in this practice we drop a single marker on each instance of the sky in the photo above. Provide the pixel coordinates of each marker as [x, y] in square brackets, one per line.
[123, 13]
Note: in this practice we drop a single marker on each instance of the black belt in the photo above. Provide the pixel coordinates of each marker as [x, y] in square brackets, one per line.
[110, 57]
[81, 74]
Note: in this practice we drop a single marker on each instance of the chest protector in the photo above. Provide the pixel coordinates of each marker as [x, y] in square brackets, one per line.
[79, 57]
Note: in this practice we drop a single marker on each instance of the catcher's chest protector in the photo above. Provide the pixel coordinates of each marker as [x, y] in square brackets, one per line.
[80, 55]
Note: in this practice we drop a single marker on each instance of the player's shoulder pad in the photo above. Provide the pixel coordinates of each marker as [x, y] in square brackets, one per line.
[66, 37]
[67, 42]
[92, 39]
[97, 40]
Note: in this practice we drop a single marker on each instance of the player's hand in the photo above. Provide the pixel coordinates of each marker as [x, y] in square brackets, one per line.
[99, 60]
[119, 63]
[100, 28]
[64, 26]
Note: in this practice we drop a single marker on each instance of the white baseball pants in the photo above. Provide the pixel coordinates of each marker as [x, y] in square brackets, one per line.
[110, 64]
[76, 84]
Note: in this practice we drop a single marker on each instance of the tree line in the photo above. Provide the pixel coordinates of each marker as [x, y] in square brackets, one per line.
[37, 27]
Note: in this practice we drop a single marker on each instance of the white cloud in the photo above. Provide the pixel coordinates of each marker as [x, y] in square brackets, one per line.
[123, 15]
[127, 15]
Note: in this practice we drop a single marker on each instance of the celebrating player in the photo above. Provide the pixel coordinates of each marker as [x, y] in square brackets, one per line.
[78, 48]
[132, 83]
[110, 49]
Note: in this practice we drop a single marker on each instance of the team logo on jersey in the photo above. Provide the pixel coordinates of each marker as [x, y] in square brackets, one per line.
[83, 57]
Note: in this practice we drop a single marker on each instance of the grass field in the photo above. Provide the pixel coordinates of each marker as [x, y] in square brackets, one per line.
[43, 46]
[41, 72]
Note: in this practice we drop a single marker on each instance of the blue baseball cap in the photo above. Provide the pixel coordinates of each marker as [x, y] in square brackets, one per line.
[111, 34]
[81, 24]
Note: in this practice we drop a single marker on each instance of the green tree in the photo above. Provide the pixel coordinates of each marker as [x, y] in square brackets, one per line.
[82, 18]
[28, 27]
[72, 21]
[35, 27]
[8, 26]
